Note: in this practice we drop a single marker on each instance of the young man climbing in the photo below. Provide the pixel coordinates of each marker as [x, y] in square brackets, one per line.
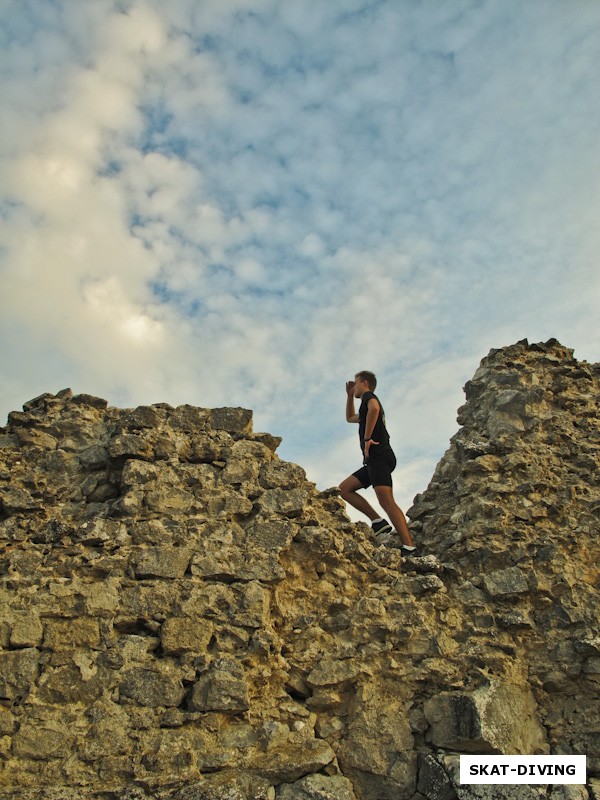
[378, 459]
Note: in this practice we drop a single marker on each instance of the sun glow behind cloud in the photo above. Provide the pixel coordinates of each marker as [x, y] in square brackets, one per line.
[245, 202]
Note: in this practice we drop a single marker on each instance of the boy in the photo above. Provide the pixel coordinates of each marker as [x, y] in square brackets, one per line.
[379, 460]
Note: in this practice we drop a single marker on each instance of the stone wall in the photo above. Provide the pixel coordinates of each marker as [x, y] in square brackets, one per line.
[183, 616]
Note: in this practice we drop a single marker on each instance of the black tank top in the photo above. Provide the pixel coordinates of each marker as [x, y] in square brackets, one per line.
[380, 433]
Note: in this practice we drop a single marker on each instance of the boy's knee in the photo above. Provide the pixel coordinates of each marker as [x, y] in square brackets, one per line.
[344, 490]
[348, 487]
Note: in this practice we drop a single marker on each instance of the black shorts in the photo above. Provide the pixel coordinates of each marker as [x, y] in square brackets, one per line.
[377, 470]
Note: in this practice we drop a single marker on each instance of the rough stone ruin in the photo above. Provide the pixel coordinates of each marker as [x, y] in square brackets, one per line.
[183, 616]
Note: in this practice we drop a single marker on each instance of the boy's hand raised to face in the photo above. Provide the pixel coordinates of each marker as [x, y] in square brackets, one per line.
[350, 387]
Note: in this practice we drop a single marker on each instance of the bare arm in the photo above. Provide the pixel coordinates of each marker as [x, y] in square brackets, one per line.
[351, 415]
[373, 408]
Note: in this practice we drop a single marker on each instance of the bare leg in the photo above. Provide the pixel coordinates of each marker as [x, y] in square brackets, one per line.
[348, 490]
[394, 512]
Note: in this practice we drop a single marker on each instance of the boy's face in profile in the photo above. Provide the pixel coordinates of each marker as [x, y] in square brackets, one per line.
[360, 387]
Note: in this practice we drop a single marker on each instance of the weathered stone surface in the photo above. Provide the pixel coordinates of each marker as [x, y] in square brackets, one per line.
[74, 683]
[495, 718]
[506, 582]
[26, 630]
[89, 400]
[130, 446]
[16, 499]
[434, 781]
[317, 787]
[289, 763]
[232, 420]
[223, 688]
[158, 686]
[19, 670]
[161, 562]
[516, 513]
[70, 634]
[181, 635]
[377, 751]
[183, 616]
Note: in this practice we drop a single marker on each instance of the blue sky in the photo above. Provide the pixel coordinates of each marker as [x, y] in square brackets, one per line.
[243, 202]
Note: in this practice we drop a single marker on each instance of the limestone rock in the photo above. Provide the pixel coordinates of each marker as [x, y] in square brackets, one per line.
[19, 669]
[183, 616]
[156, 687]
[434, 781]
[317, 787]
[223, 688]
[506, 582]
[496, 718]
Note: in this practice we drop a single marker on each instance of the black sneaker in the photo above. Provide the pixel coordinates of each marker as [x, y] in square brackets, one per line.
[381, 526]
[407, 550]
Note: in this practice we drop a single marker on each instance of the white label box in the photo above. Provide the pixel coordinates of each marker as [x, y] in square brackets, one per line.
[522, 769]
